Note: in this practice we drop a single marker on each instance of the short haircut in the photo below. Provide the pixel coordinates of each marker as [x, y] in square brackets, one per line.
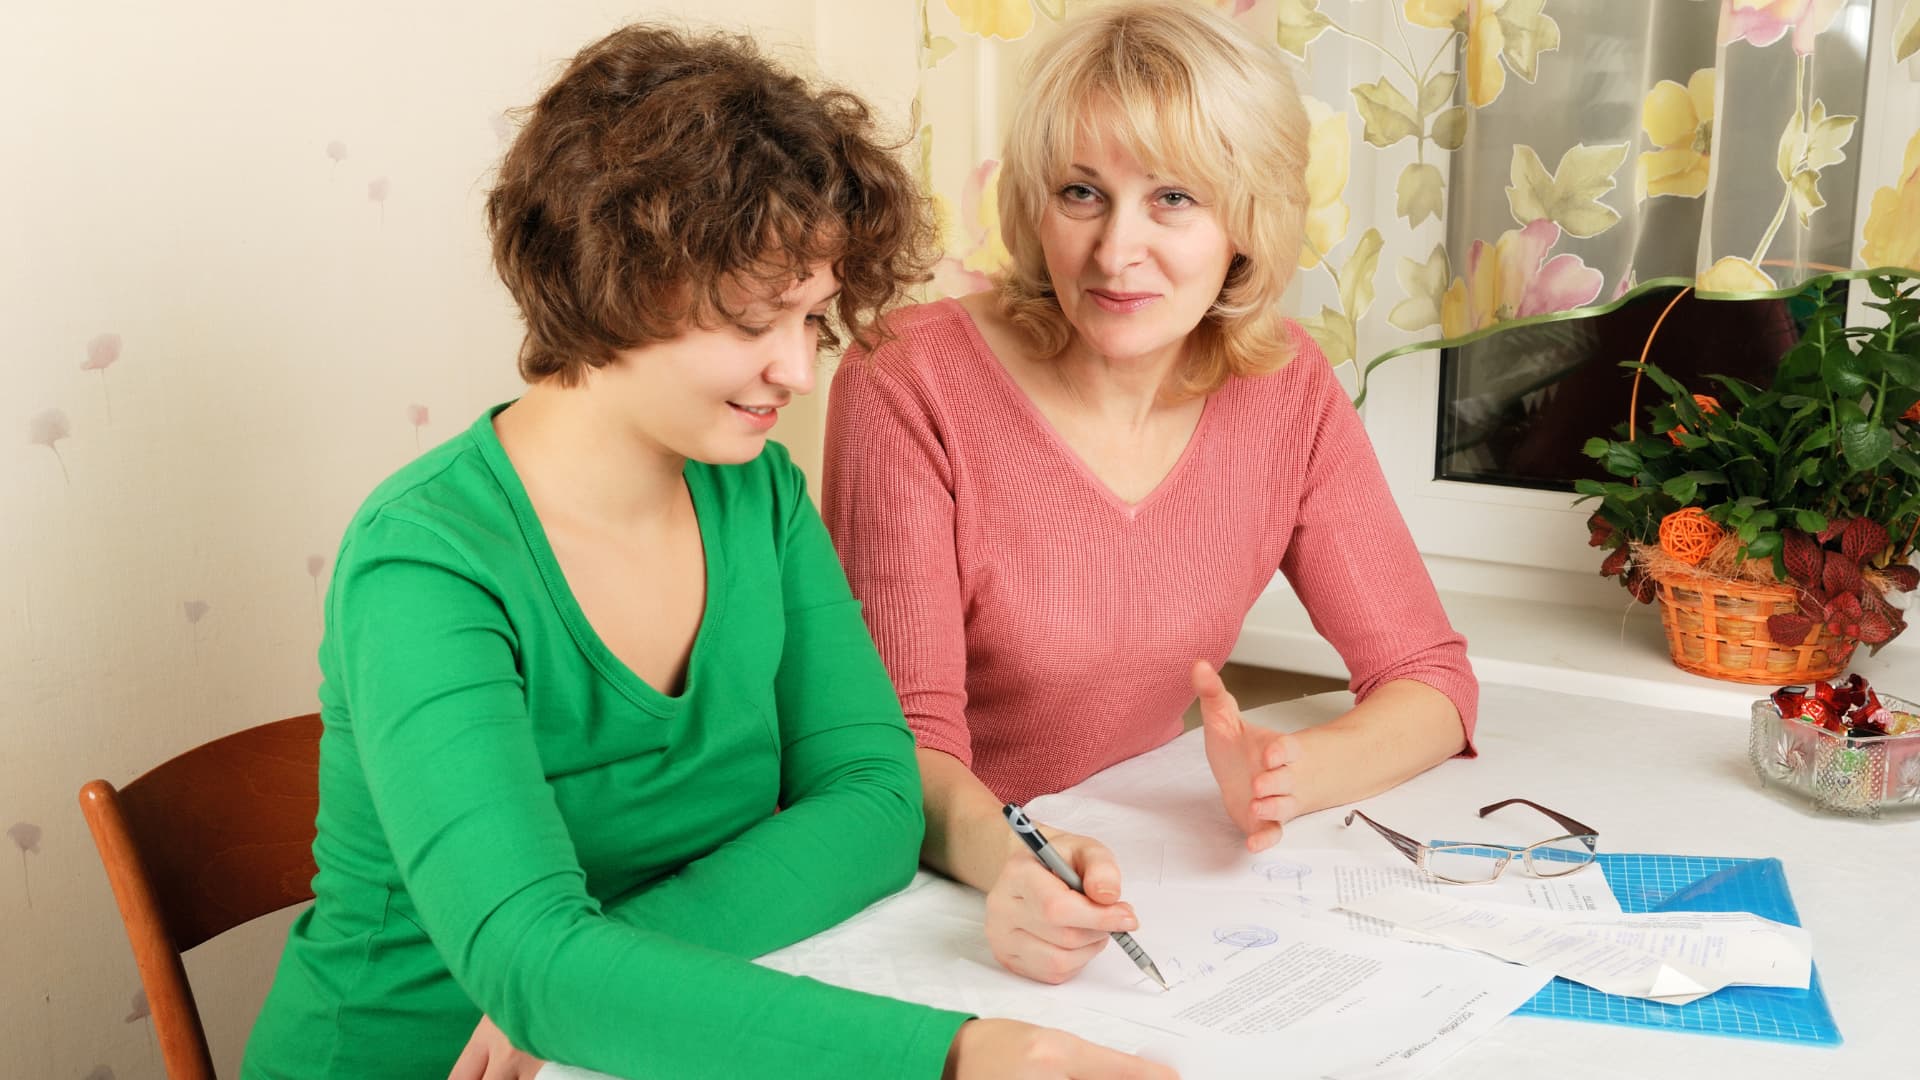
[664, 166]
[1192, 96]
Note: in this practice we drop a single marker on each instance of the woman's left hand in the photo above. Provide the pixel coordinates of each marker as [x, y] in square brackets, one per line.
[490, 1056]
[1255, 767]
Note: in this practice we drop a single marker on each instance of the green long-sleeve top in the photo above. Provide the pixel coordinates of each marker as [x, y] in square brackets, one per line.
[511, 821]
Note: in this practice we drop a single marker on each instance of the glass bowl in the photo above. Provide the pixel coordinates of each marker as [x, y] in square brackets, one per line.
[1841, 774]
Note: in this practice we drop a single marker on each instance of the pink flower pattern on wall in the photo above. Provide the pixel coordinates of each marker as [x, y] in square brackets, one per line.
[25, 836]
[418, 416]
[47, 429]
[102, 352]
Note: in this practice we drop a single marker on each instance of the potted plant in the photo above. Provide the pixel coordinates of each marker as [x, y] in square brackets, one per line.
[1773, 524]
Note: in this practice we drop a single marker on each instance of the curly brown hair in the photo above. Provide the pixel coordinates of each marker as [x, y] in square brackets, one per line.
[663, 166]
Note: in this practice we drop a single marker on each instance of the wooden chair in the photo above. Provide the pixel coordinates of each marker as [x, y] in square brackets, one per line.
[216, 837]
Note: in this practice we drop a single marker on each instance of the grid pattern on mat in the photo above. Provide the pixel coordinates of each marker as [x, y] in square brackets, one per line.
[1645, 883]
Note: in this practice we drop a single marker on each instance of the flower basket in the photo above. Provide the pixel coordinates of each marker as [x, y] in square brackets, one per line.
[1717, 627]
[1775, 525]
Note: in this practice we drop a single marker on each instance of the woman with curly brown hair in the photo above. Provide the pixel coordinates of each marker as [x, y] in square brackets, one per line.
[577, 657]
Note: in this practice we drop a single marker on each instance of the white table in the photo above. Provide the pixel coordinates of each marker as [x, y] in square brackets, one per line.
[1648, 780]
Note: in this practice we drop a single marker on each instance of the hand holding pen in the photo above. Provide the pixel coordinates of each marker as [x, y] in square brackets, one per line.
[1036, 842]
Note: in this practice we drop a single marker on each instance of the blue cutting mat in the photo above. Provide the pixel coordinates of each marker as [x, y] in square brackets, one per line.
[1700, 883]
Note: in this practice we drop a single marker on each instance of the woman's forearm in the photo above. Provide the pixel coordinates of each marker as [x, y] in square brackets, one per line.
[1400, 731]
[967, 838]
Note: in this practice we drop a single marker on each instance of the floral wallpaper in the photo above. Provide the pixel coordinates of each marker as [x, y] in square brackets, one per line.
[245, 277]
[1475, 163]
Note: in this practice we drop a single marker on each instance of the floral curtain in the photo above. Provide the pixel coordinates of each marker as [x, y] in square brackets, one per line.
[1481, 163]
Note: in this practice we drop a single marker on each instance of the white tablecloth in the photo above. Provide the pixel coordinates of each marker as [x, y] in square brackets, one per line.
[1648, 780]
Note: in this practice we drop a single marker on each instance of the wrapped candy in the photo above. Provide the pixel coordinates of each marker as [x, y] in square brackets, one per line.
[1852, 708]
[1790, 700]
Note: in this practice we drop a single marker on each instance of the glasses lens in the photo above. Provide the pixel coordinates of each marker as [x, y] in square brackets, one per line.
[1467, 864]
[1562, 856]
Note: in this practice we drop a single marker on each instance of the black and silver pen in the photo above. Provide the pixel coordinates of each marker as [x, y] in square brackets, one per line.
[1028, 832]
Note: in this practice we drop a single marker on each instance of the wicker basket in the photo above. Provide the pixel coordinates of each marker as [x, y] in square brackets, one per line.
[1717, 627]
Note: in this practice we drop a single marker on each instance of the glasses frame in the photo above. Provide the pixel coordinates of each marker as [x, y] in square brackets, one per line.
[1421, 855]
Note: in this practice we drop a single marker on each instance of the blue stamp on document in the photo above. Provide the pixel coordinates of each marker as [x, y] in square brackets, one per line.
[1245, 937]
[1281, 871]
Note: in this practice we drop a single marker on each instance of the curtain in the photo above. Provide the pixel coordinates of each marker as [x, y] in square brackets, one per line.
[1477, 164]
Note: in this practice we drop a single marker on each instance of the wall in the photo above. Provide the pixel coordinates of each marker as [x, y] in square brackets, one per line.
[243, 278]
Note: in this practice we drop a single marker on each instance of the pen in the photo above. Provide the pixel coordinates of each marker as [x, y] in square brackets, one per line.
[1029, 833]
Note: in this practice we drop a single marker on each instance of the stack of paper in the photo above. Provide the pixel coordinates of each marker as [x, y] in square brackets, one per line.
[1672, 957]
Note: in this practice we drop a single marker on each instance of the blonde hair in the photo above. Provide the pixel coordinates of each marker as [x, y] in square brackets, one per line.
[1192, 96]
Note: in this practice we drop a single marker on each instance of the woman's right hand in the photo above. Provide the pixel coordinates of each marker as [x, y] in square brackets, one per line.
[1011, 1050]
[1043, 930]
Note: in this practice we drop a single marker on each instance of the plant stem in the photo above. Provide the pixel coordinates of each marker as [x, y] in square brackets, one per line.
[1401, 64]
[1786, 197]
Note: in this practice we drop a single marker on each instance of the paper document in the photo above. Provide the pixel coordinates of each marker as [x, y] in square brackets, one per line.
[1674, 957]
[1322, 880]
[1253, 984]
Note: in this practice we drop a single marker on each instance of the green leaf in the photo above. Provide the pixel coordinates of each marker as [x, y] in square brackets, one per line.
[1747, 532]
[1300, 23]
[1707, 476]
[1425, 285]
[1596, 447]
[1571, 196]
[1385, 113]
[1764, 545]
[1809, 521]
[1681, 489]
[1526, 32]
[1906, 32]
[1903, 369]
[1420, 194]
[1623, 460]
[1356, 275]
[1845, 373]
[1765, 440]
[1437, 91]
[1587, 485]
[1819, 440]
[1666, 382]
[1865, 444]
[1333, 332]
[1900, 401]
[1905, 461]
[1742, 391]
[1450, 128]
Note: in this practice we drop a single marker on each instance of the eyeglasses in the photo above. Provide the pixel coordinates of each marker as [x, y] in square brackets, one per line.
[1477, 864]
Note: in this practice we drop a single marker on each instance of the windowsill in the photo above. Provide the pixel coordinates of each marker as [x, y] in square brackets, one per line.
[1618, 654]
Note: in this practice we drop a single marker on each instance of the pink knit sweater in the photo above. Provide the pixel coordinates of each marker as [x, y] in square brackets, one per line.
[1038, 628]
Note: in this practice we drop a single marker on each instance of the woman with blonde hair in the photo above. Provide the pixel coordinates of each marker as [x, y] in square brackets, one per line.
[1059, 498]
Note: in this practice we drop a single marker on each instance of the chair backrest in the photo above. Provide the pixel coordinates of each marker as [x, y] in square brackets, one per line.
[213, 838]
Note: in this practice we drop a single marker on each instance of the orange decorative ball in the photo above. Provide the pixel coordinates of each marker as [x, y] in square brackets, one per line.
[1689, 535]
[1707, 404]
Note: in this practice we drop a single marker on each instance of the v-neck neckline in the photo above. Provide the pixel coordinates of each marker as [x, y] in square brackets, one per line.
[1128, 510]
[615, 670]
